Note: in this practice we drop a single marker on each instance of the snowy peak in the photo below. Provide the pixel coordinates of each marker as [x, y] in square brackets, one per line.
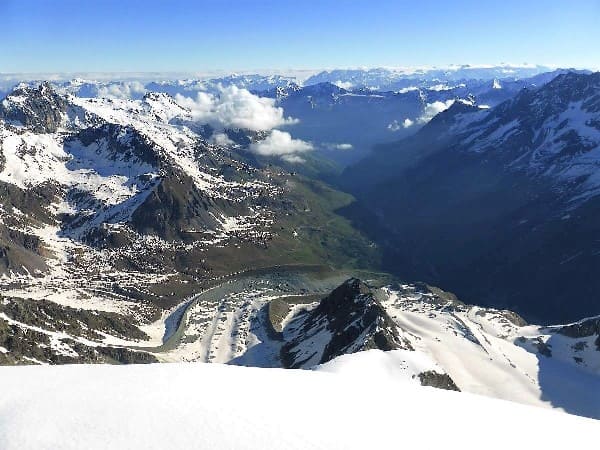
[554, 97]
[585, 328]
[452, 117]
[39, 109]
[164, 107]
[282, 92]
[255, 82]
[323, 94]
[124, 174]
[552, 132]
[349, 320]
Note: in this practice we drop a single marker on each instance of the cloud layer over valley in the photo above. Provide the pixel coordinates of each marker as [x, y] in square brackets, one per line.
[233, 107]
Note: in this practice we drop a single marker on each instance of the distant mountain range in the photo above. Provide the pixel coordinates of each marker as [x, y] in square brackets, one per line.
[330, 115]
[393, 79]
[375, 78]
[343, 110]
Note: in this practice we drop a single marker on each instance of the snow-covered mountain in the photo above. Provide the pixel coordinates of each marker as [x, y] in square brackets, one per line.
[130, 234]
[371, 106]
[123, 208]
[223, 407]
[345, 123]
[189, 87]
[448, 211]
[384, 79]
[286, 318]
[391, 79]
[118, 168]
[458, 346]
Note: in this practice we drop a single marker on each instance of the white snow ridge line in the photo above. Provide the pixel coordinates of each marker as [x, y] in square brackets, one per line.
[207, 406]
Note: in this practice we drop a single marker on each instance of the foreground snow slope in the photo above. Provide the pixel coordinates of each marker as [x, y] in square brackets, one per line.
[357, 402]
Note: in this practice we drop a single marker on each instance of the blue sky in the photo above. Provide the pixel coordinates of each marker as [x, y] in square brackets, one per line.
[192, 36]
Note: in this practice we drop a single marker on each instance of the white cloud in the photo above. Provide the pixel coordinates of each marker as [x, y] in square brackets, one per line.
[439, 87]
[233, 107]
[395, 125]
[121, 90]
[343, 84]
[221, 139]
[339, 146]
[431, 109]
[294, 159]
[344, 146]
[407, 89]
[280, 143]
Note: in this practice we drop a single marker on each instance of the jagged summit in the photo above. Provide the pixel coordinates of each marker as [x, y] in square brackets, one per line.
[348, 320]
[536, 105]
[39, 108]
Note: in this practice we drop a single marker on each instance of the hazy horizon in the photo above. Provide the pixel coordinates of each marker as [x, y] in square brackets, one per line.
[298, 74]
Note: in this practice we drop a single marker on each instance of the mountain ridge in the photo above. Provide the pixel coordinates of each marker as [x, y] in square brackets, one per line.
[475, 227]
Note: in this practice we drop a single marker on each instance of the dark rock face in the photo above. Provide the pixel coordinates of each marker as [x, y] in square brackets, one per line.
[21, 251]
[584, 328]
[514, 318]
[124, 142]
[18, 259]
[510, 316]
[351, 320]
[121, 355]
[26, 345]
[542, 347]
[343, 305]
[438, 380]
[245, 137]
[37, 108]
[177, 206]
[469, 203]
[75, 322]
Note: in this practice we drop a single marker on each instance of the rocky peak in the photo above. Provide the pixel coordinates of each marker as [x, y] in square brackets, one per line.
[584, 328]
[38, 108]
[282, 92]
[539, 128]
[349, 292]
[123, 142]
[447, 120]
[244, 136]
[572, 86]
[535, 106]
[348, 320]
